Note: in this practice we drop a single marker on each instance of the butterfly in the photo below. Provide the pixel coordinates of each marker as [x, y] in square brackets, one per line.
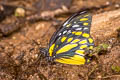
[70, 43]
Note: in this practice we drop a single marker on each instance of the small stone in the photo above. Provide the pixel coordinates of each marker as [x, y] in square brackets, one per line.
[99, 77]
[38, 41]
[107, 3]
[117, 5]
[1, 8]
[36, 55]
[39, 26]
[14, 37]
[20, 12]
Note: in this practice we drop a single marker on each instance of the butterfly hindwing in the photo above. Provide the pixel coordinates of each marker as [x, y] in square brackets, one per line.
[68, 44]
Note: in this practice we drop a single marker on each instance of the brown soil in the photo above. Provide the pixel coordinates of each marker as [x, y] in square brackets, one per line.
[19, 50]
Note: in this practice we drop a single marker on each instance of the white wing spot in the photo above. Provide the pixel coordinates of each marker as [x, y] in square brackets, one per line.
[75, 22]
[78, 29]
[85, 28]
[69, 31]
[75, 26]
[59, 34]
[65, 23]
[64, 32]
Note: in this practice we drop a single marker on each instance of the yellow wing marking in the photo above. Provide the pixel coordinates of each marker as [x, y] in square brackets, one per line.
[88, 61]
[85, 24]
[69, 39]
[73, 32]
[83, 19]
[75, 60]
[80, 51]
[51, 49]
[86, 35]
[90, 40]
[56, 46]
[66, 48]
[76, 40]
[83, 42]
[68, 25]
[86, 15]
[83, 46]
[63, 39]
[77, 33]
[91, 47]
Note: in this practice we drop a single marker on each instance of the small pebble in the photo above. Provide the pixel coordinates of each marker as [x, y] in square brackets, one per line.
[107, 3]
[38, 41]
[1, 8]
[14, 37]
[99, 77]
[39, 26]
[36, 55]
[117, 5]
[20, 12]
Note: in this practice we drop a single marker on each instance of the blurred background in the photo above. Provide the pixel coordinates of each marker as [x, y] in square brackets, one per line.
[27, 25]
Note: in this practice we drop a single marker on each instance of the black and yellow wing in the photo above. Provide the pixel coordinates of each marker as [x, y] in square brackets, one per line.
[68, 44]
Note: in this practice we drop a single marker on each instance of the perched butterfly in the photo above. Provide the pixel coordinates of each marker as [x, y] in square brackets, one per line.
[69, 44]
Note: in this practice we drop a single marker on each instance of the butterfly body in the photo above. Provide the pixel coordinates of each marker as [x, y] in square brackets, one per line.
[68, 44]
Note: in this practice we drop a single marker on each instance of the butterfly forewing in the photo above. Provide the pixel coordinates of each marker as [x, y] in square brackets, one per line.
[68, 44]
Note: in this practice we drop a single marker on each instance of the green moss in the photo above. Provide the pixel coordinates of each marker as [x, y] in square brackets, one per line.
[101, 47]
[115, 68]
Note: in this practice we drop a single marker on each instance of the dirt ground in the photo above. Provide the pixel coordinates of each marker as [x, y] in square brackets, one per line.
[19, 50]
